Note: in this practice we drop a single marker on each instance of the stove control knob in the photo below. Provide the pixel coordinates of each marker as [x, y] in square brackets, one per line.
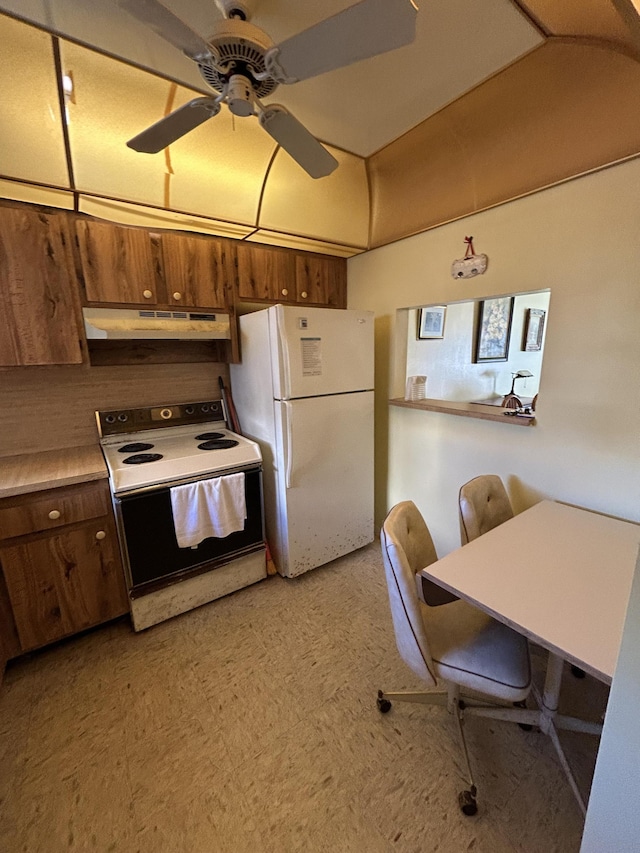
[100, 534]
[123, 418]
[110, 419]
[147, 294]
[177, 296]
[204, 408]
[165, 414]
[189, 410]
[54, 515]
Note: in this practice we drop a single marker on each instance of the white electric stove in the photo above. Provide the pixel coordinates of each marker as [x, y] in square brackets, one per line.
[148, 452]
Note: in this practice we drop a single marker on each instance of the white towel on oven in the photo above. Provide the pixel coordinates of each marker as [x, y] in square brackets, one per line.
[214, 507]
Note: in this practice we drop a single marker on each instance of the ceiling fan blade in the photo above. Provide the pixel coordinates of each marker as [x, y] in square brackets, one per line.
[296, 140]
[175, 125]
[167, 25]
[366, 29]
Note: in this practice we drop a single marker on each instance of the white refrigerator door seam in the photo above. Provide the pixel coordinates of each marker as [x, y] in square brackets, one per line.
[289, 445]
[284, 370]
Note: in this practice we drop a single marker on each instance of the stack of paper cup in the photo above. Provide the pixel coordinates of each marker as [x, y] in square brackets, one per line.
[416, 388]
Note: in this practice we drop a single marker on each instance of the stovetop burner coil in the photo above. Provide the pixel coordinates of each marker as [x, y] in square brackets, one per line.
[135, 447]
[141, 458]
[218, 444]
[209, 436]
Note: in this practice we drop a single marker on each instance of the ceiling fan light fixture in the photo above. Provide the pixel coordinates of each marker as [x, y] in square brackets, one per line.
[239, 97]
[242, 64]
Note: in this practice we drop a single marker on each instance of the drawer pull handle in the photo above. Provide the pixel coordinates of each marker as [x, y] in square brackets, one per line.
[147, 294]
[304, 294]
[177, 296]
[100, 534]
[54, 515]
[285, 292]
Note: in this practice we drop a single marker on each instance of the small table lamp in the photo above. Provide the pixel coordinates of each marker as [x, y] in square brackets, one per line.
[520, 374]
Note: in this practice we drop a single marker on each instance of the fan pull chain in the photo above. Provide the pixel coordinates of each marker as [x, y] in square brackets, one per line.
[469, 242]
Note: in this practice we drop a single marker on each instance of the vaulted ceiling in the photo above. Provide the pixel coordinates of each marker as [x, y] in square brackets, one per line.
[491, 101]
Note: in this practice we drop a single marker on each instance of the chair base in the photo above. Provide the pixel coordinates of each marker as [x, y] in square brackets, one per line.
[545, 717]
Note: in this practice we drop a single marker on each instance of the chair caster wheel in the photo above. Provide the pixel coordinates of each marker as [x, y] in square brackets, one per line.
[384, 706]
[467, 802]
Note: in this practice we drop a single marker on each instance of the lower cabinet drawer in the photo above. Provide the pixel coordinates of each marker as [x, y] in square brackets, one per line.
[51, 509]
[64, 582]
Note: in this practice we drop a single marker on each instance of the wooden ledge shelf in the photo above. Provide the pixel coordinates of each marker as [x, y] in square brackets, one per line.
[465, 410]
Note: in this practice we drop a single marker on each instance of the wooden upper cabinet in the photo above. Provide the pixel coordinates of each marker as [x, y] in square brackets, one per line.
[282, 275]
[39, 309]
[117, 263]
[322, 280]
[197, 271]
[266, 273]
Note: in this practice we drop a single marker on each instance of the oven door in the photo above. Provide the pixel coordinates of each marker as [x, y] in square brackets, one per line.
[150, 548]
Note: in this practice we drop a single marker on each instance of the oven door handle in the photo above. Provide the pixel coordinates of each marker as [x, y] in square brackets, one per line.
[288, 412]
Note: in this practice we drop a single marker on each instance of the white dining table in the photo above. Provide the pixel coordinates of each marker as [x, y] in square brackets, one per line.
[561, 576]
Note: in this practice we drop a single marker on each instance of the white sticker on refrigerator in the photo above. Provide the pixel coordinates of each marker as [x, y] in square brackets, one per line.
[311, 357]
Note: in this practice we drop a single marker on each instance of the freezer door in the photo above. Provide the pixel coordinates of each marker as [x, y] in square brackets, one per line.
[320, 351]
[324, 480]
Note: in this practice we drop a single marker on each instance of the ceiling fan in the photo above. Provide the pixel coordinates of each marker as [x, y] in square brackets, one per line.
[242, 64]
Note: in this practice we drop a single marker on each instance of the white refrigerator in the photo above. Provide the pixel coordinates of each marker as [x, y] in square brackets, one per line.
[304, 392]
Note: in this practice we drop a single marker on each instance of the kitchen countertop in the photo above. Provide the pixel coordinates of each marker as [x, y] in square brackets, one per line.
[50, 469]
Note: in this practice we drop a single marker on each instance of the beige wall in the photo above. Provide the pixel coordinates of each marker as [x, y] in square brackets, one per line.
[581, 240]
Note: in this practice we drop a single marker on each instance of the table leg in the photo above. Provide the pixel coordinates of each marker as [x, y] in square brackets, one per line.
[552, 682]
[548, 712]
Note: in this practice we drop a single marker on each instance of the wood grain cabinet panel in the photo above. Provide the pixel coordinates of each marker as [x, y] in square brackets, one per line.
[9, 642]
[265, 273]
[321, 280]
[60, 563]
[197, 271]
[281, 275]
[39, 309]
[117, 263]
[63, 583]
[59, 507]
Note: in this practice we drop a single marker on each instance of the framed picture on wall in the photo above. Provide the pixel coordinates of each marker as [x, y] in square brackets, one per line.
[493, 329]
[533, 330]
[431, 322]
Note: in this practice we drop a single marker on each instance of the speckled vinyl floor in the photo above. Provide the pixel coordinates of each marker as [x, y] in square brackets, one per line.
[250, 724]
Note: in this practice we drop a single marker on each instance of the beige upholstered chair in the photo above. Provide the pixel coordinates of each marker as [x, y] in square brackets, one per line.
[484, 504]
[510, 401]
[451, 642]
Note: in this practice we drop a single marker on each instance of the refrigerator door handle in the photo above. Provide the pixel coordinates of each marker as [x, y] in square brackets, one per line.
[289, 444]
[283, 346]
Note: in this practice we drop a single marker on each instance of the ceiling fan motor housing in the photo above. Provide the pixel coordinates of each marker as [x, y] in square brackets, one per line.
[238, 48]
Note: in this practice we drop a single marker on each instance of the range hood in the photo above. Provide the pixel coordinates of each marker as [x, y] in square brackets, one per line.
[143, 325]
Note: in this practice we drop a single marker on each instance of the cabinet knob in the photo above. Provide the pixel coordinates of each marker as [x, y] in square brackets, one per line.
[177, 296]
[304, 294]
[100, 534]
[147, 294]
[54, 515]
[285, 292]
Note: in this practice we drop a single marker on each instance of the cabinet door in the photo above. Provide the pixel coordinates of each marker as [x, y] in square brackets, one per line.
[266, 273]
[117, 263]
[39, 313]
[321, 280]
[63, 583]
[9, 643]
[198, 271]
